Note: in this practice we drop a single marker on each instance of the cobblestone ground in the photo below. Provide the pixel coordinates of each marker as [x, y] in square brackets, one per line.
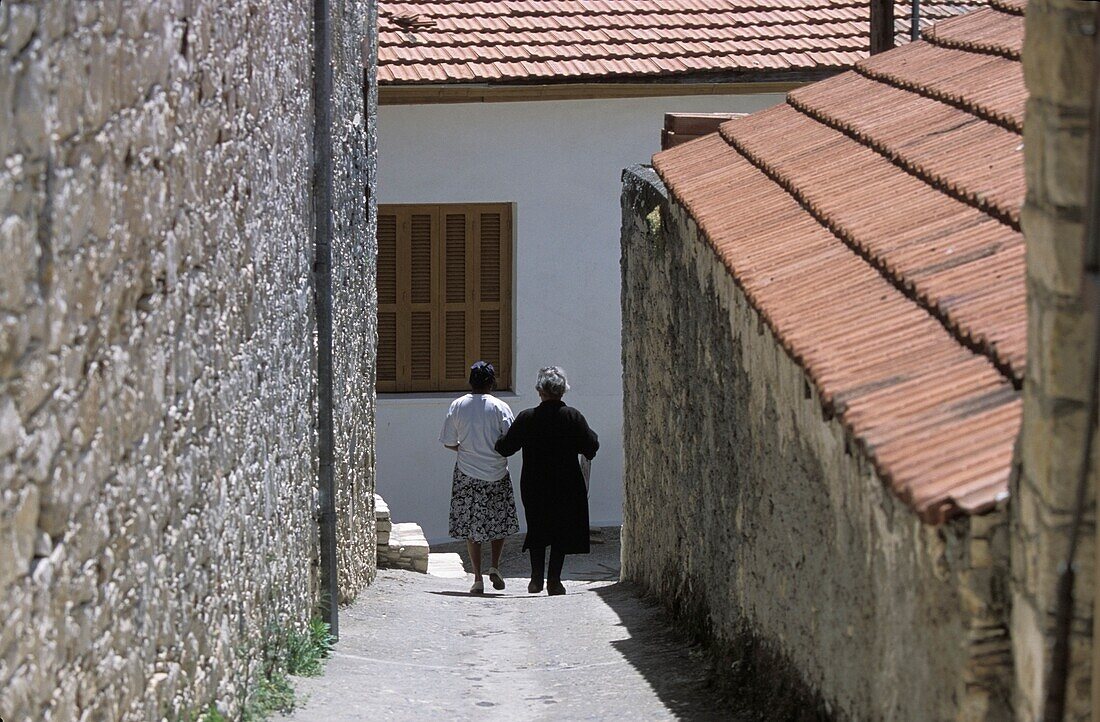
[417, 647]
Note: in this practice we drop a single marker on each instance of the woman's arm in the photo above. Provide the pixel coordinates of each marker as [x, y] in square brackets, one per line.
[512, 441]
[449, 435]
[588, 441]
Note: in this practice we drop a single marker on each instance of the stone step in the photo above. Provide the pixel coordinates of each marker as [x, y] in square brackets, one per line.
[409, 537]
[381, 509]
[447, 566]
[407, 548]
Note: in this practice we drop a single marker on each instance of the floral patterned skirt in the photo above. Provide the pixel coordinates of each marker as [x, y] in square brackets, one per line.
[482, 510]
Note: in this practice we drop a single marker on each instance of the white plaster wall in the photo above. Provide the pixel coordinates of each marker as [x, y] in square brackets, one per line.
[559, 162]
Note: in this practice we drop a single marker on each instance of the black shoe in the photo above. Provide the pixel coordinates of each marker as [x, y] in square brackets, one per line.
[534, 587]
[554, 588]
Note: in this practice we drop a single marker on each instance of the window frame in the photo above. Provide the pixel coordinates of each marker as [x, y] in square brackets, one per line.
[473, 306]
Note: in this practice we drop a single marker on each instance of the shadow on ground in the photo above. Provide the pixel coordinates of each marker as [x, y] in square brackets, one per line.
[600, 565]
[682, 672]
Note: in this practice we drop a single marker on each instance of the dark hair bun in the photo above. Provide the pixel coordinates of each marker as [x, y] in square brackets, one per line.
[482, 374]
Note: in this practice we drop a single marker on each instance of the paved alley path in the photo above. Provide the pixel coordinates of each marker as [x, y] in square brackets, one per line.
[417, 647]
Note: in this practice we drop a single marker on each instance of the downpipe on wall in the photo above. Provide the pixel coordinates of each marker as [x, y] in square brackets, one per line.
[322, 279]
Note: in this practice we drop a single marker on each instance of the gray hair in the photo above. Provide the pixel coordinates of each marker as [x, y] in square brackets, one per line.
[552, 381]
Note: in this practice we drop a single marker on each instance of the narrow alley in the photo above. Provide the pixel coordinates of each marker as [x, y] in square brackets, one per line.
[420, 647]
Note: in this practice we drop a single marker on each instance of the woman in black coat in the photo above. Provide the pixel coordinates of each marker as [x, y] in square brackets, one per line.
[555, 498]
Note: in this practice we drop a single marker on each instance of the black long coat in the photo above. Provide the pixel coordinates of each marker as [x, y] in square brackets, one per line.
[555, 499]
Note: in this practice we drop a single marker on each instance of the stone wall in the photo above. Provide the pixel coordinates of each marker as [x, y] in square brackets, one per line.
[157, 362]
[750, 514]
[1058, 52]
[355, 309]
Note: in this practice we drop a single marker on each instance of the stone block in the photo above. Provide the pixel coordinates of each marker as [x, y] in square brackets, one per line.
[1055, 250]
[381, 509]
[1066, 342]
[1064, 154]
[406, 548]
[21, 23]
[31, 97]
[409, 538]
[18, 531]
[1052, 444]
[1059, 41]
[11, 427]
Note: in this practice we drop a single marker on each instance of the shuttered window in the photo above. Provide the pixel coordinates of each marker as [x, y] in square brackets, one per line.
[444, 294]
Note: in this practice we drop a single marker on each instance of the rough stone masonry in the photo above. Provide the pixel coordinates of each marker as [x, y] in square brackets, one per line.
[1058, 63]
[756, 520]
[157, 355]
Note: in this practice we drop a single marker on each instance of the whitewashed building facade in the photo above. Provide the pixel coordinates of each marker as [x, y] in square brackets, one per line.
[503, 131]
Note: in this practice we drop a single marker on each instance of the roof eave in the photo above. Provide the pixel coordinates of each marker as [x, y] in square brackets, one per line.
[626, 86]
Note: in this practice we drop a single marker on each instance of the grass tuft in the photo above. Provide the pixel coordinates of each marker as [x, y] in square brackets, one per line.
[212, 715]
[272, 693]
[305, 653]
[285, 652]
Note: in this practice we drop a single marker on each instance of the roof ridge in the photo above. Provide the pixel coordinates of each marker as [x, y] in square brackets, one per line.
[1004, 121]
[778, 25]
[970, 45]
[493, 10]
[952, 327]
[1007, 6]
[627, 55]
[913, 169]
[978, 48]
[817, 23]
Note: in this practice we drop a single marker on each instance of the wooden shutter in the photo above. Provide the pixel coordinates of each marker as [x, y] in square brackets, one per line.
[493, 298]
[444, 294]
[387, 300]
[417, 318]
[457, 294]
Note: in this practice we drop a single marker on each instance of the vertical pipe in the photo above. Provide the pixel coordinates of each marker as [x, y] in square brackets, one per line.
[322, 278]
[882, 25]
[914, 21]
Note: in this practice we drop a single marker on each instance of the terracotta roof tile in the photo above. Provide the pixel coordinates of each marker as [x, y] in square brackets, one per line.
[975, 33]
[988, 86]
[454, 42]
[1016, 7]
[873, 222]
[986, 172]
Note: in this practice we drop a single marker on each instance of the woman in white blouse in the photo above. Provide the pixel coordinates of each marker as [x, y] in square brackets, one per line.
[483, 507]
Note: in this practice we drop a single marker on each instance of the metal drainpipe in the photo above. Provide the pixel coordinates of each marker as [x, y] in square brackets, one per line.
[322, 278]
[914, 21]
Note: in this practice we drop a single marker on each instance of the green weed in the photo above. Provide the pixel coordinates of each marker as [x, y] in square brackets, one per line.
[272, 693]
[284, 652]
[305, 653]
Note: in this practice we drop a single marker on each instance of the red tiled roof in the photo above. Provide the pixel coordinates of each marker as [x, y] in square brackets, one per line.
[874, 221]
[580, 40]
